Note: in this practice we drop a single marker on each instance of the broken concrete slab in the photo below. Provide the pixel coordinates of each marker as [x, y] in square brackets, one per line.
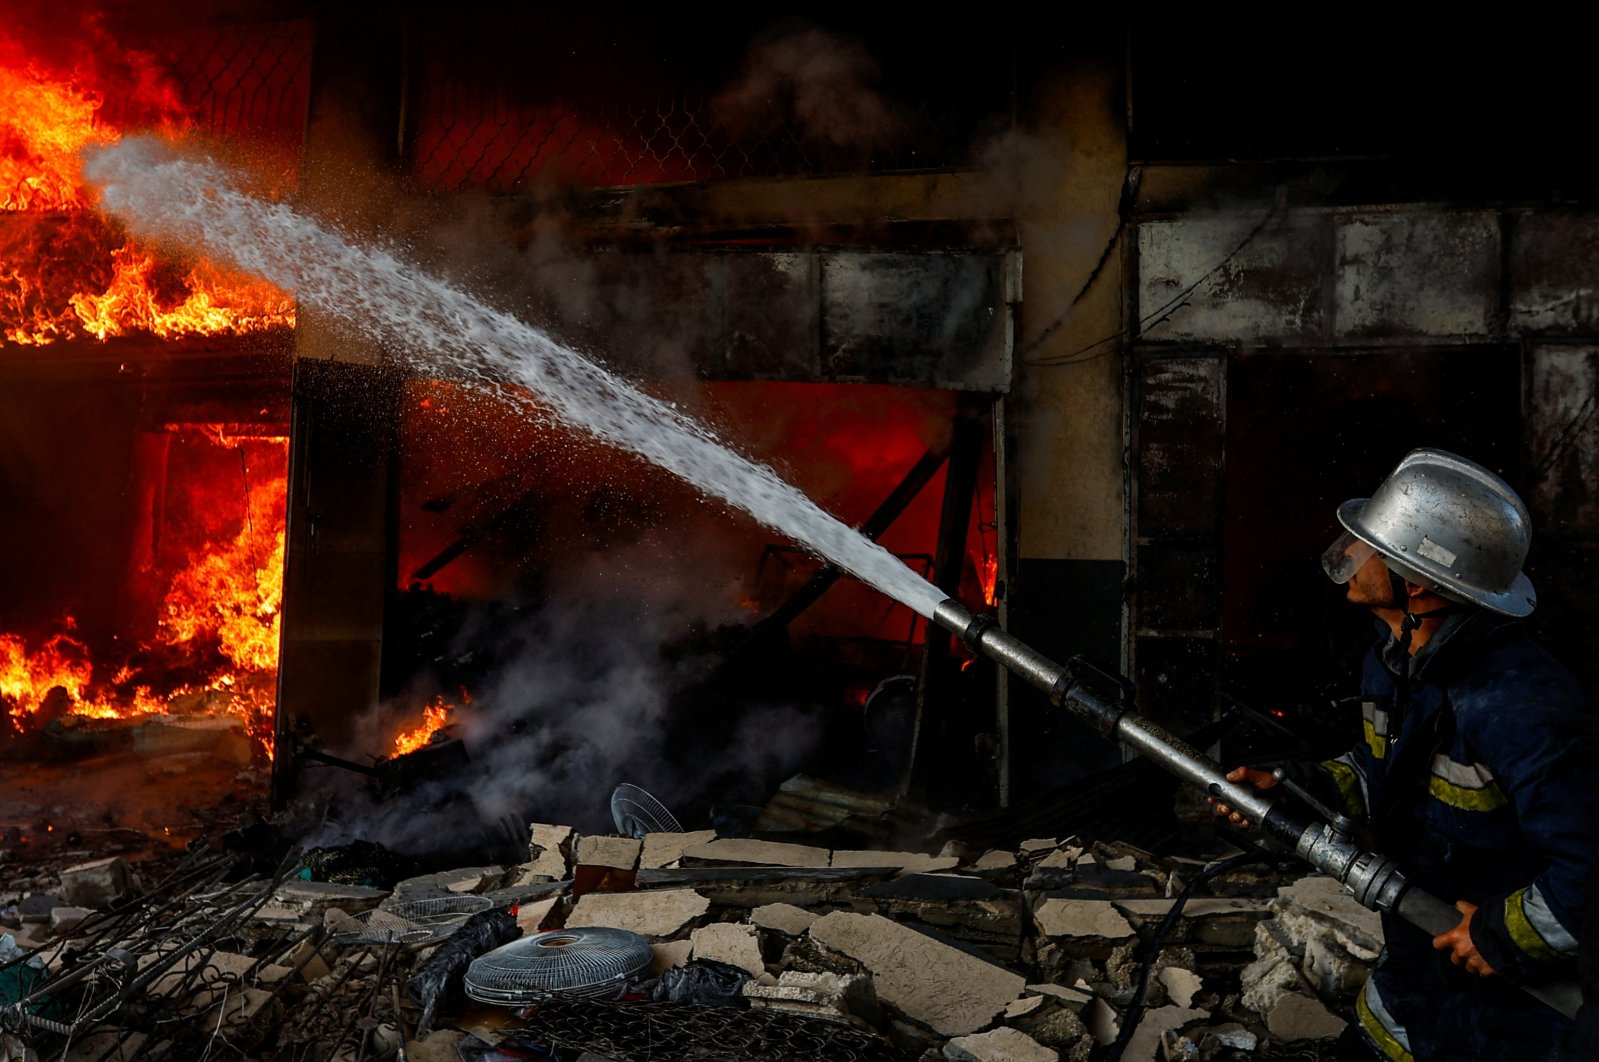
[659, 913]
[1102, 1021]
[1088, 877]
[669, 953]
[999, 1045]
[1324, 898]
[1274, 989]
[737, 850]
[946, 989]
[549, 852]
[1063, 858]
[1219, 922]
[313, 899]
[619, 853]
[1303, 1017]
[306, 957]
[453, 882]
[1052, 1022]
[1145, 1042]
[532, 916]
[664, 849]
[905, 862]
[1081, 919]
[66, 919]
[36, 907]
[732, 943]
[814, 994]
[1181, 985]
[995, 859]
[783, 918]
[1075, 998]
[97, 884]
[1018, 1008]
[972, 909]
[547, 836]
[741, 885]
[1331, 970]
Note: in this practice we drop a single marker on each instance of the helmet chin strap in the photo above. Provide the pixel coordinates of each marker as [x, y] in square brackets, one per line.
[1412, 620]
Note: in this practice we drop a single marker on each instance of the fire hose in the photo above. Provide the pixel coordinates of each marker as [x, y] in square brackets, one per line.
[1102, 701]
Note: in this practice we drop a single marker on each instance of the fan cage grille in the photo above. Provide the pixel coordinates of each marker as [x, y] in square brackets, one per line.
[585, 962]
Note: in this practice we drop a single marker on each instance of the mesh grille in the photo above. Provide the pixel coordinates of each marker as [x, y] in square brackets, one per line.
[565, 962]
[410, 922]
[637, 813]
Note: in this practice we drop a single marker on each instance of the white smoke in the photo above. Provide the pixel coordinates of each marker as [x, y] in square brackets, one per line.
[598, 688]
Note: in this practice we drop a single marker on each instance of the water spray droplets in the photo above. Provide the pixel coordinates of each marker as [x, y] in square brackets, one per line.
[448, 333]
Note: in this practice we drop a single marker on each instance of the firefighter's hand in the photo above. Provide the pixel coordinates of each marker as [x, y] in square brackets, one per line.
[1462, 952]
[1250, 776]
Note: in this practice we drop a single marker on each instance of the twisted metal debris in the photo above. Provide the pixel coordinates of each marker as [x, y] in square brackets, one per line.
[189, 971]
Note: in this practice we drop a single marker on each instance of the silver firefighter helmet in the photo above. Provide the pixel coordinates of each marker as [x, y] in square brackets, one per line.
[1442, 522]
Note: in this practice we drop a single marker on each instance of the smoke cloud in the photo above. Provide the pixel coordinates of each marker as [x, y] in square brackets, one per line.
[818, 81]
[604, 683]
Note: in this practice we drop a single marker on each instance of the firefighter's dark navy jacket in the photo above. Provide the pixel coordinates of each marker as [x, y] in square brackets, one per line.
[1479, 772]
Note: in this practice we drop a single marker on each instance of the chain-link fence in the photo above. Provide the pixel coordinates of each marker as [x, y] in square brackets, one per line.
[502, 100]
[466, 136]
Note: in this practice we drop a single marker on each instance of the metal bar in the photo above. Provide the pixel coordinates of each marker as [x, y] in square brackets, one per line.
[1003, 555]
[932, 737]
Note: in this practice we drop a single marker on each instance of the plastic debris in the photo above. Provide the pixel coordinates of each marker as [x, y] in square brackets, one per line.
[439, 982]
[704, 981]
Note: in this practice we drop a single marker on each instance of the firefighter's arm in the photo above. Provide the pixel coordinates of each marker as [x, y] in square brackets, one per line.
[1547, 774]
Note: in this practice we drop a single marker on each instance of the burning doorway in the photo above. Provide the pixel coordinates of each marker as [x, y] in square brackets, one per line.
[143, 434]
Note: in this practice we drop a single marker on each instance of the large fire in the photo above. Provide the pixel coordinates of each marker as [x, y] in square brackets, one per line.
[210, 643]
[65, 271]
[204, 587]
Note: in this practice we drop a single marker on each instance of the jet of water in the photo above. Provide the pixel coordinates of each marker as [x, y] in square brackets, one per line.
[447, 333]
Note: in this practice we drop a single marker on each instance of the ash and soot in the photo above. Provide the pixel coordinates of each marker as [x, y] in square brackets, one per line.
[448, 333]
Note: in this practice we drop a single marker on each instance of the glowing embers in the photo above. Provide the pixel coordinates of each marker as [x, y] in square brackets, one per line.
[68, 273]
[205, 589]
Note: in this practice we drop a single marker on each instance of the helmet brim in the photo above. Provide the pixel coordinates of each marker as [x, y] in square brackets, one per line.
[1518, 600]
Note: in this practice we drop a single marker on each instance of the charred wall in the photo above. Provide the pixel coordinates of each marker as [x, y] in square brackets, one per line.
[1293, 355]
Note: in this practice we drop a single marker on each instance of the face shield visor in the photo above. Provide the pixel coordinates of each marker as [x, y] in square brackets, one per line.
[1345, 556]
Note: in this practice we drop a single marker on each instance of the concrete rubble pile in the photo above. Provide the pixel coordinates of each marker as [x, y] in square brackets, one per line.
[1028, 954]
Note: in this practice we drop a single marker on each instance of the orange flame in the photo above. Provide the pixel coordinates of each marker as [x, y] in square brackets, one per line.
[435, 716]
[988, 575]
[66, 272]
[219, 619]
[45, 125]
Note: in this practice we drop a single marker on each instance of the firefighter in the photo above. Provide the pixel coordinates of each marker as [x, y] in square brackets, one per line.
[1478, 769]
